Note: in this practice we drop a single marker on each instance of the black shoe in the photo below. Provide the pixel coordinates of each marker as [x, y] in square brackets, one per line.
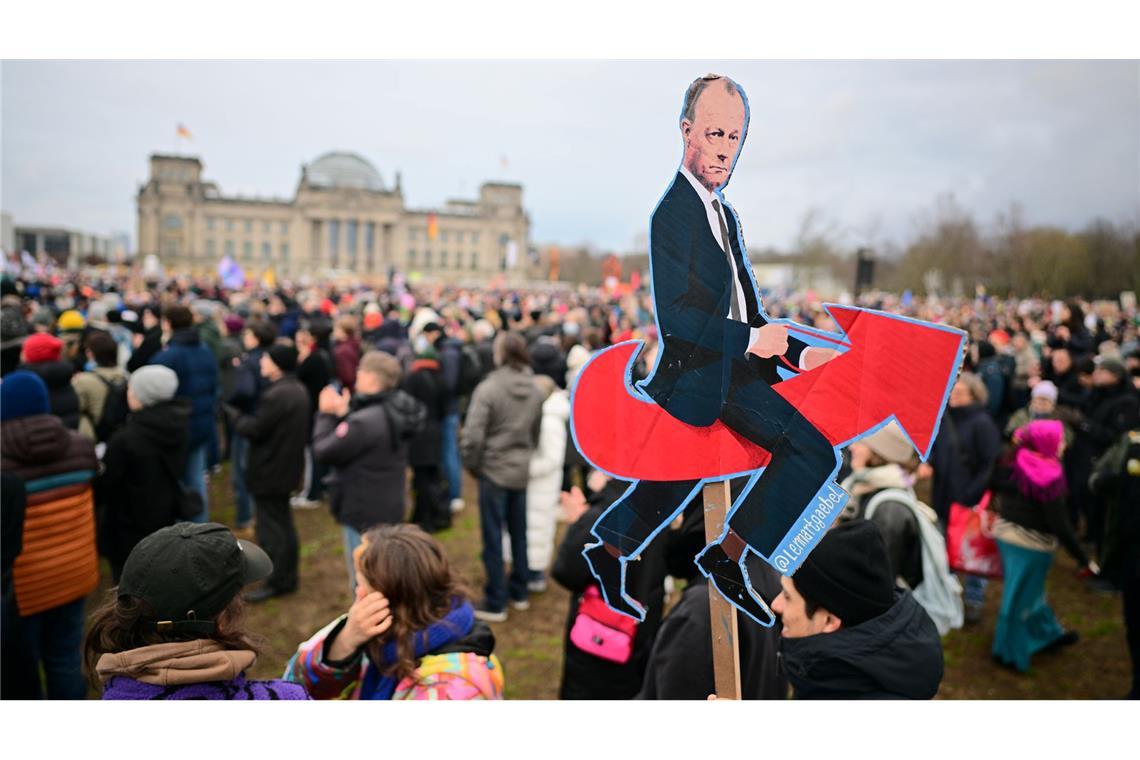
[607, 569]
[264, 594]
[731, 580]
[1066, 639]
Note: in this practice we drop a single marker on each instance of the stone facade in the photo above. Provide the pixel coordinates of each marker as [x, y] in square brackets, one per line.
[343, 221]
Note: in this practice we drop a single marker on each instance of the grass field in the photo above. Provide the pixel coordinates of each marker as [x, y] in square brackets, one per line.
[530, 643]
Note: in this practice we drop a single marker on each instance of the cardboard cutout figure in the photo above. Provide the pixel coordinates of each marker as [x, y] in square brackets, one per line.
[717, 405]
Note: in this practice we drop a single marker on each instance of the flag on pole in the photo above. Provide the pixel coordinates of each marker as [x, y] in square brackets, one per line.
[183, 132]
[231, 273]
[432, 226]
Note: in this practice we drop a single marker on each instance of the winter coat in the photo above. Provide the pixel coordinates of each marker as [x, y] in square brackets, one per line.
[197, 371]
[463, 670]
[585, 676]
[681, 662]
[211, 337]
[198, 669]
[1110, 413]
[139, 490]
[149, 348]
[91, 390]
[502, 428]
[544, 490]
[59, 562]
[62, 399]
[897, 655]
[229, 350]
[1116, 478]
[368, 451]
[979, 446]
[450, 367]
[1049, 519]
[346, 355]
[425, 383]
[248, 382]
[277, 435]
[315, 372]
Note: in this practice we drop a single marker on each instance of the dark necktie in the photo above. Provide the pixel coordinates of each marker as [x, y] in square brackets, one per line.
[735, 309]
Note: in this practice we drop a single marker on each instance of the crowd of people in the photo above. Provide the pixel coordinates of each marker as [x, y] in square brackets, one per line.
[123, 396]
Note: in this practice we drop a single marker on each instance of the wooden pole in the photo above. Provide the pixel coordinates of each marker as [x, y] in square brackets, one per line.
[725, 641]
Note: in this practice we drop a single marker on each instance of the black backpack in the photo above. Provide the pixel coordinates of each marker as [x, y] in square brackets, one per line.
[115, 408]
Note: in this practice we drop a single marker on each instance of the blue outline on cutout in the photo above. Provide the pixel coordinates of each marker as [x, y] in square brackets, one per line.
[637, 392]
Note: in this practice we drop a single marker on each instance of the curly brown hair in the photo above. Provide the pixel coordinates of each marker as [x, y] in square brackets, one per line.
[411, 569]
[124, 623]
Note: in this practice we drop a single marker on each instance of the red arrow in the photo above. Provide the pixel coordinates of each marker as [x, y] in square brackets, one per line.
[896, 366]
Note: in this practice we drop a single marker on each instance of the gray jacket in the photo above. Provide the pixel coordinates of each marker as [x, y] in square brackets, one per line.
[502, 427]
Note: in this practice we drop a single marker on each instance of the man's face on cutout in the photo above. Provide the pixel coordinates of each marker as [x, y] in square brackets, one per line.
[713, 138]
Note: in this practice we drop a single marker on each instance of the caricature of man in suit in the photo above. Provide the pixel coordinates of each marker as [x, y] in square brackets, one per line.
[718, 361]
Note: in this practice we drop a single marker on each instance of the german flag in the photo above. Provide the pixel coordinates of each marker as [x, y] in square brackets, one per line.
[432, 226]
[183, 132]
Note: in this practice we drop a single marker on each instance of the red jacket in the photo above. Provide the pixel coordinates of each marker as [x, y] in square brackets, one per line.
[346, 355]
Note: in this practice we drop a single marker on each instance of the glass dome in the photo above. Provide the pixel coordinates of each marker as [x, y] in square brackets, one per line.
[344, 170]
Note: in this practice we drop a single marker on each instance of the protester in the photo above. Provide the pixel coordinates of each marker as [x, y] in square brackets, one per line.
[544, 489]
[277, 434]
[1116, 478]
[42, 356]
[411, 632]
[979, 446]
[881, 491]
[592, 666]
[197, 372]
[139, 490]
[315, 371]
[173, 628]
[848, 633]
[346, 352]
[257, 337]
[55, 569]
[1032, 521]
[1042, 406]
[92, 389]
[500, 435]
[364, 437]
[450, 353]
[16, 672]
[425, 452]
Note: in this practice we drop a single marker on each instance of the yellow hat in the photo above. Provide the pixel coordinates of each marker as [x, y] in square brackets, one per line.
[71, 320]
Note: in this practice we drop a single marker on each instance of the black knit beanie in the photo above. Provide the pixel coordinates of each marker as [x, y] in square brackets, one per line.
[848, 573]
[285, 357]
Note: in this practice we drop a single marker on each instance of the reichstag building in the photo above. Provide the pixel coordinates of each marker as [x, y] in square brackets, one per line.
[343, 221]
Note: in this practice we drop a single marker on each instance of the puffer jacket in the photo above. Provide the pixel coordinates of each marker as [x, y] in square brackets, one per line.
[464, 670]
[368, 451]
[502, 428]
[59, 562]
[197, 371]
[544, 490]
[62, 400]
[897, 655]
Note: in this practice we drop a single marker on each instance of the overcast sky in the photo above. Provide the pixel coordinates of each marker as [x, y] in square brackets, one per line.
[870, 145]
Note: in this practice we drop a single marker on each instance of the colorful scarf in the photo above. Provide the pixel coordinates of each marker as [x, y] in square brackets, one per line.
[454, 626]
[1036, 469]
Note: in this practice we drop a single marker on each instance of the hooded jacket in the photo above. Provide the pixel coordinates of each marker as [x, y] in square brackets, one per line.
[139, 490]
[502, 428]
[897, 655]
[62, 399]
[199, 669]
[368, 450]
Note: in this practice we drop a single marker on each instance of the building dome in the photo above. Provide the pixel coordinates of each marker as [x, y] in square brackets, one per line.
[344, 170]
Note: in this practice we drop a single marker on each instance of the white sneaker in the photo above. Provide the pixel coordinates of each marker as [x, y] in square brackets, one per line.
[490, 616]
[300, 502]
[536, 587]
[457, 506]
[522, 606]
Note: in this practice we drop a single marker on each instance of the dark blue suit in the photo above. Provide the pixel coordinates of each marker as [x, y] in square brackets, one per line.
[704, 373]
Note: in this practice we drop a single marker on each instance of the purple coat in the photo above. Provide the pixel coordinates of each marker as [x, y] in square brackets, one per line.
[121, 687]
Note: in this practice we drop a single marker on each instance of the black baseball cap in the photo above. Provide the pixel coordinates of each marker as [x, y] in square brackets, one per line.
[188, 573]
